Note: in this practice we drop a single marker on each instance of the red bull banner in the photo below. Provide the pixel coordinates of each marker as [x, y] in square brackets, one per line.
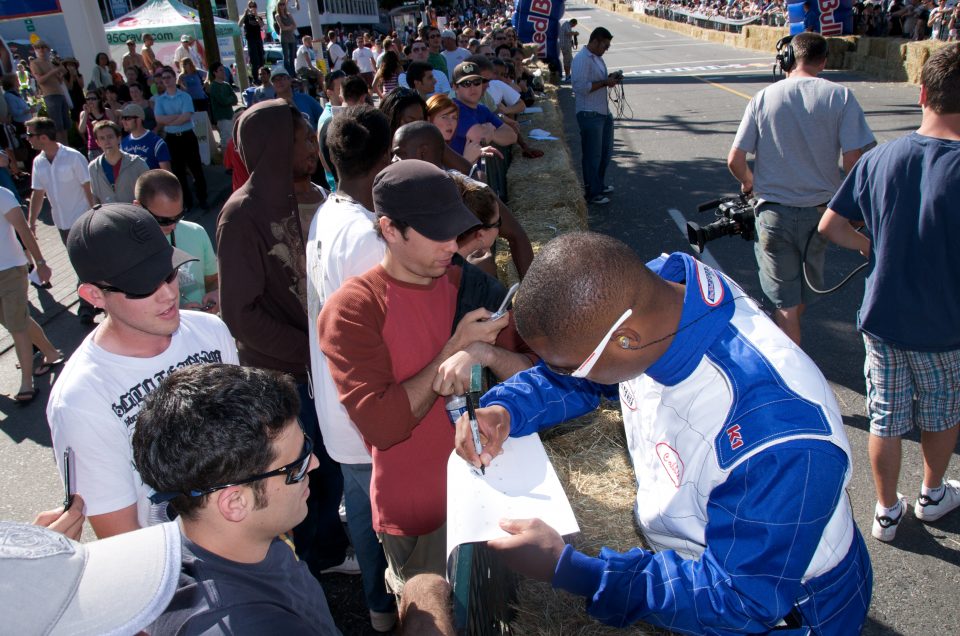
[538, 22]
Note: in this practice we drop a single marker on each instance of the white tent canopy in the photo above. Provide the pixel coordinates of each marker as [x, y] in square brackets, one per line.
[167, 20]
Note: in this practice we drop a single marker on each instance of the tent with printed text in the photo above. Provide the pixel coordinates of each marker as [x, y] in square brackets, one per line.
[166, 20]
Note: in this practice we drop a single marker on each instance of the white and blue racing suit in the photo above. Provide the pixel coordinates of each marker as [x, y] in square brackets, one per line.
[741, 462]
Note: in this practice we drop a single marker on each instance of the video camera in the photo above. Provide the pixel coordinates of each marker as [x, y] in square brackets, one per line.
[617, 75]
[735, 215]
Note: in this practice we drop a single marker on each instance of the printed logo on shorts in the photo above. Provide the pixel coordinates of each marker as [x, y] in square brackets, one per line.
[671, 462]
[627, 398]
[711, 290]
[733, 434]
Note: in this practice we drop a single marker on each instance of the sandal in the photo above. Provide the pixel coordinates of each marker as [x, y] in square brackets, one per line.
[25, 397]
[45, 366]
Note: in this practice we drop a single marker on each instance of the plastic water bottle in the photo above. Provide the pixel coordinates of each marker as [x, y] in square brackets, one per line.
[456, 406]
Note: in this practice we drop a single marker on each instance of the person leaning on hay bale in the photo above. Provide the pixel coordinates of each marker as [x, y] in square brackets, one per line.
[735, 437]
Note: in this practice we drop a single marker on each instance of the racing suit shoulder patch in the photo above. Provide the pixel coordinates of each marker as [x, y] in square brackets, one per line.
[764, 409]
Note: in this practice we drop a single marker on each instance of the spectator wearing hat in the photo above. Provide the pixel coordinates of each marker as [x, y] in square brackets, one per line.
[62, 176]
[476, 121]
[114, 173]
[174, 111]
[386, 338]
[127, 268]
[132, 59]
[425, 141]
[49, 77]
[187, 50]
[158, 191]
[452, 53]
[263, 294]
[115, 586]
[143, 142]
[358, 141]
[150, 63]
[223, 445]
[309, 108]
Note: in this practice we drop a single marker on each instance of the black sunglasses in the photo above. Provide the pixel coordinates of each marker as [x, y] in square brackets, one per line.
[472, 83]
[295, 472]
[164, 220]
[172, 276]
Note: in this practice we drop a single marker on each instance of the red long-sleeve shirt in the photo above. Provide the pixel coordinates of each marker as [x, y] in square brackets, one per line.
[376, 333]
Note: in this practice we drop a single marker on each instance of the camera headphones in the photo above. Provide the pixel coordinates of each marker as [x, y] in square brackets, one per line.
[786, 57]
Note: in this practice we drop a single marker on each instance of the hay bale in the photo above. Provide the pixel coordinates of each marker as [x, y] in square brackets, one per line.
[590, 457]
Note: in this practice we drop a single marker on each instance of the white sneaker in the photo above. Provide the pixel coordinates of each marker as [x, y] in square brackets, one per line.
[884, 527]
[350, 565]
[608, 189]
[343, 511]
[927, 509]
[600, 200]
[383, 622]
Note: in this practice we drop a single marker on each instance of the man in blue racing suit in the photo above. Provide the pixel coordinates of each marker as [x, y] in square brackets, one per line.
[735, 437]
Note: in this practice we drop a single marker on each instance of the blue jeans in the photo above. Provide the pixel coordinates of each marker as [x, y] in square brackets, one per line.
[596, 149]
[373, 563]
[320, 539]
[289, 56]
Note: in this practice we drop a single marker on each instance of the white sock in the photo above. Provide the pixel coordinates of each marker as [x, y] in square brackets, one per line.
[893, 512]
[933, 493]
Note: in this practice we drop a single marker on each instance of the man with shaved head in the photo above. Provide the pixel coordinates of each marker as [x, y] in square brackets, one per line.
[734, 434]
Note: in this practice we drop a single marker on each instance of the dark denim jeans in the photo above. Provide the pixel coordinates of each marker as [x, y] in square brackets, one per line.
[596, 149]
[289, 56]
[320, 539]
[373, 563]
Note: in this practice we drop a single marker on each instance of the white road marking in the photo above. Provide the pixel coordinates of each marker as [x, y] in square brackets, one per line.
[660, 35]
[691, 69]
[743, 60]
[681, 221]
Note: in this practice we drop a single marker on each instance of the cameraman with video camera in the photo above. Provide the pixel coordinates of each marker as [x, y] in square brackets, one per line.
[797, 129]
[590, 83]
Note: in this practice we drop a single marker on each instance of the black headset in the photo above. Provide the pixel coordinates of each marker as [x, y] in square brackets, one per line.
[786, 57]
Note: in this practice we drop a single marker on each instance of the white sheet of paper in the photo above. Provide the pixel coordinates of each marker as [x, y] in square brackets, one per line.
[540, 134]
[519, 484]
[532, 109]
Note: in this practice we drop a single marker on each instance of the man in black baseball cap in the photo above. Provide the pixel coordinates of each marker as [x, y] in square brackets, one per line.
[386, 337]
[128, 269]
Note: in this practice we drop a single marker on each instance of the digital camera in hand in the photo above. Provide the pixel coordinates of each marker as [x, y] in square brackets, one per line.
[735, 216]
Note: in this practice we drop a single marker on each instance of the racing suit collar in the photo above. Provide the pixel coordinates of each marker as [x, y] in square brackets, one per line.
[707, 309]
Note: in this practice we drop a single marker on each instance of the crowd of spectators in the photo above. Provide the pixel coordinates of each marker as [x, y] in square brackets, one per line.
[909, 19]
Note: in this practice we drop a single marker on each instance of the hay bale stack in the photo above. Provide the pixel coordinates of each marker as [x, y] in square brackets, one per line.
[545, 194]
[590, 456]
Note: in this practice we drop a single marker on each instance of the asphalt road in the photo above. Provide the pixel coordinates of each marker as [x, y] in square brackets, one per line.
[686, 98]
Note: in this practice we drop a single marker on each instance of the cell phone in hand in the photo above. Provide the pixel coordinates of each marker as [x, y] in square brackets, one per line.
[505, 305]
[67, 479]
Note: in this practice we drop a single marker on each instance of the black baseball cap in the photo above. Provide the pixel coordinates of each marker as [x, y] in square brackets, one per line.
[424, 197]
[123, 246]
[466, 71]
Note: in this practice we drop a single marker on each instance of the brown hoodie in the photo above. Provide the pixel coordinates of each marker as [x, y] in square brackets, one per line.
[260, 246]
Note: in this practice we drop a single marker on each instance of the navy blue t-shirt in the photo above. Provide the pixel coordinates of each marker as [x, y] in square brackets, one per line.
[907, 192]
[468, 117]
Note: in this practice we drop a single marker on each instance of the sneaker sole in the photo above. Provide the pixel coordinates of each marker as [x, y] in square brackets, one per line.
[937, 512]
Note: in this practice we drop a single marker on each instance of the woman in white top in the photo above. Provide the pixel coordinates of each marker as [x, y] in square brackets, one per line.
[101, 77]
[14, 307]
